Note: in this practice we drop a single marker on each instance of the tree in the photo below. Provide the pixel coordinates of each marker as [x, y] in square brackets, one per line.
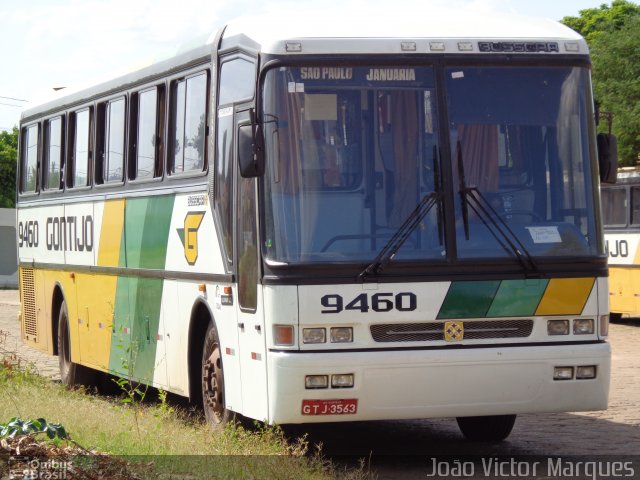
[594, 21]
[616, 66]
[8, 167]
[613, 35]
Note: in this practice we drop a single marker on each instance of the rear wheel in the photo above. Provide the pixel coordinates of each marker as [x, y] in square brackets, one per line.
[493, 428]
[213, 400]
[71, 373]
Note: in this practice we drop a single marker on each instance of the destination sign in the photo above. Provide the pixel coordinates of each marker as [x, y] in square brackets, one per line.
[401, 76]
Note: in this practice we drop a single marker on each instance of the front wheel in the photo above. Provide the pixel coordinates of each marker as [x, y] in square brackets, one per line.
[213, 401]
[493, 428]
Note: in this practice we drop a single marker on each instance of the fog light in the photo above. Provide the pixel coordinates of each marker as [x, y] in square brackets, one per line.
[283, 335]
[558, 327]
[314, 335]
[583, 326]
[604, 325]
[316, 381]
[341, 335]
[344, 380]
[563, 373]
[586, 371]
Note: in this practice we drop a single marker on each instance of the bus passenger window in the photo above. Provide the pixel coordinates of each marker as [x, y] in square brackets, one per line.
[147, 138]
[188, 124]
[53, 154]
[110, 141]
[614, 206]
[114, 155]
[29, 164]
[79, 171]
[635, 205]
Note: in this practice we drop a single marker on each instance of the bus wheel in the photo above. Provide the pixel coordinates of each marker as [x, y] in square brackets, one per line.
[71, 373]
[488, 429]
[213, 401]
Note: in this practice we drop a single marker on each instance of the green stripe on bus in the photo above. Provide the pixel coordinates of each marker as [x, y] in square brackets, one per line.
[517, 298]
[147, 222]
[468, 299]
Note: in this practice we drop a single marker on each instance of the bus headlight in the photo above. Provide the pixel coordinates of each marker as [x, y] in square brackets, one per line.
[583, 326]
[314, 335]
[563, 373]
[316, 381]
[341, 335]
[344, 380]
[558, 327]
[586, 372]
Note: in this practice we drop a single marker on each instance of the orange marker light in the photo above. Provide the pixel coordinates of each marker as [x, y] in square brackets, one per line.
[283, 335]
[202, 288]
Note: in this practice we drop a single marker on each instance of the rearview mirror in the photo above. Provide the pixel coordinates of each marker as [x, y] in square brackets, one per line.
[608, 157]
[250, 151]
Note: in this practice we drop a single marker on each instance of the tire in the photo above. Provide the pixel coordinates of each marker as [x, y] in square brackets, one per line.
[71, 374]
[213, 400]
[486, 429]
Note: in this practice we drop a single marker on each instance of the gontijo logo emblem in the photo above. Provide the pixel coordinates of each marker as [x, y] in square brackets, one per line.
[189, 236]
[453, 331]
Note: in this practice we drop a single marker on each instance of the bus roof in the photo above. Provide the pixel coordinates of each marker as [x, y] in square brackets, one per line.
[386, 31]
[370, 31]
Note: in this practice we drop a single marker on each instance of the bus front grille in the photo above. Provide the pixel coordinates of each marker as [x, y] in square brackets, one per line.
[28, 299]
[432, 332]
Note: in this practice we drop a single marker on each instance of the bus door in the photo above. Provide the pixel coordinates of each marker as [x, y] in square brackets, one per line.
[251, 333]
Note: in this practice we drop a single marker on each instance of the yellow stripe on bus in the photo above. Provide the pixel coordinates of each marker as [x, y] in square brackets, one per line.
[95, 312]
[111, 233]
[565, 296]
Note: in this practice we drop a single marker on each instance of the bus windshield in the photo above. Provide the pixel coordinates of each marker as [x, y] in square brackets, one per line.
[352, 152]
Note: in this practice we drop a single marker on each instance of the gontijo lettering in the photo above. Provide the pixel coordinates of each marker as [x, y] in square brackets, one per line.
[70, 234]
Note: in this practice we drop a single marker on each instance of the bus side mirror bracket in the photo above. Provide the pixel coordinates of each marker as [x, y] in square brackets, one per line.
[608, 157]
[251, 149]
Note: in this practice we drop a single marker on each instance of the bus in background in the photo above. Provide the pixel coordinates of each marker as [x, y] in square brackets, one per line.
[621, 216]
[330, 221]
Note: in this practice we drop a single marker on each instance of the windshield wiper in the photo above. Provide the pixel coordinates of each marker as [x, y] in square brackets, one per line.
[472, 198]
[406, 229]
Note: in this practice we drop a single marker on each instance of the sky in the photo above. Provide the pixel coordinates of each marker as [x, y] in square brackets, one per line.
[69, 43]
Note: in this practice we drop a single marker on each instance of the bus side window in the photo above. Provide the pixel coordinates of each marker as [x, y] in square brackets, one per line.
[79, 148]
[187, 124]
[614, 206]
[147, 126]
[53, 148]
[110, 140]
[237, 83]
[29, 161]
[635, 205]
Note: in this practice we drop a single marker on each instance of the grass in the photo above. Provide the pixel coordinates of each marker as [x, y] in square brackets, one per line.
[167, 439]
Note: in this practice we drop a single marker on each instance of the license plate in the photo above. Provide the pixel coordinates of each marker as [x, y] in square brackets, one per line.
[343, 406]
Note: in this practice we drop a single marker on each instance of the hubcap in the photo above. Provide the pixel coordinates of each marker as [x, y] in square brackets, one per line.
[212, 384]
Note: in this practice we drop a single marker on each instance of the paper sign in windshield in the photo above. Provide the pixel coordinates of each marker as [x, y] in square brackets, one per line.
[545, 234]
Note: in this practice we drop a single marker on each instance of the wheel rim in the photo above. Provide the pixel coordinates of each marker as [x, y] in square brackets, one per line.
[212, 385]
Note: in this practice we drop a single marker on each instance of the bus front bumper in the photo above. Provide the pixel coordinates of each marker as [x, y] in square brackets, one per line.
[408, 384]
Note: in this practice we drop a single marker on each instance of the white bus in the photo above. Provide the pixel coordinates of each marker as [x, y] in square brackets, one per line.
[329, 221]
